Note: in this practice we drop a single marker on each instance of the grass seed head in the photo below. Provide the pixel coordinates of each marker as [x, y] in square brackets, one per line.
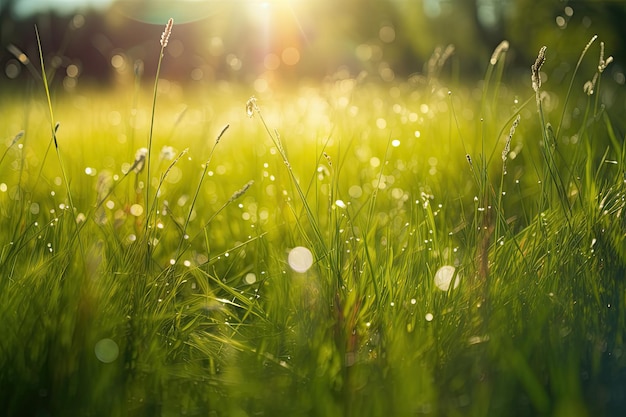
[507, 145]
[603, 63]
[536, 67]
[500, 49]
[167, 153]
[224, 129]
[241, 191]
[17, 137]
[165, 36]
[328, 159]
[251, 106]
[140, 160]
[590, 86]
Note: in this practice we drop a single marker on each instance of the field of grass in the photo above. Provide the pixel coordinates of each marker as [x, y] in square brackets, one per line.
[347, 248]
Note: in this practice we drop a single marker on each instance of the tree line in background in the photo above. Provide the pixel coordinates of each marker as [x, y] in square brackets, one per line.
[232, 43]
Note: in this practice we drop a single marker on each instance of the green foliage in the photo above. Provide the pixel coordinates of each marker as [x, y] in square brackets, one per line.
[168, 291]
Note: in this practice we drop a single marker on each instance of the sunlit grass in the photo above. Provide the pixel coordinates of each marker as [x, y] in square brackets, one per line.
[348, 248]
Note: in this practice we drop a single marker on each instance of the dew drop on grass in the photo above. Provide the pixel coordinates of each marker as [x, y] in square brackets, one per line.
[106, 350]
[250, 278]
[429, 317]
[443, 277]
[300, 259]
[3, 187]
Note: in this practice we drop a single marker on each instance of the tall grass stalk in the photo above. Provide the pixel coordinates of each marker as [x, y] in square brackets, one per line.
[205, 169]
[53, 128]
[571, 83]
[551, 178]
[165, 36]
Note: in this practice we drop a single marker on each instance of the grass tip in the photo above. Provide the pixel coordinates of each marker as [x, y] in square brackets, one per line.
[165, 36]
[500, 49]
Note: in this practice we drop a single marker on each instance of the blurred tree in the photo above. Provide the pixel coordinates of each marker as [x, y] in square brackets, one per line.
[6, 10]
[565, 25]
[425, 24]
[356, 34]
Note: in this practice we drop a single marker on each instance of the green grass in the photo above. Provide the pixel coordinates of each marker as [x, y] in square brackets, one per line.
[127, 295]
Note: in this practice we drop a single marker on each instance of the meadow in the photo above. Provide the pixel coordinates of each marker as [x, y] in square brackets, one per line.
[346, 247]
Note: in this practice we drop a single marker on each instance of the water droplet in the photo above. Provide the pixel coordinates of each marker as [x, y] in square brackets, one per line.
[429, 317]
[250, 278]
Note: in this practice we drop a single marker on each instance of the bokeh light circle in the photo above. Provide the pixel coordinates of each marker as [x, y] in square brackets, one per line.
[106, 350]
[443, 277]
[300, 259]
